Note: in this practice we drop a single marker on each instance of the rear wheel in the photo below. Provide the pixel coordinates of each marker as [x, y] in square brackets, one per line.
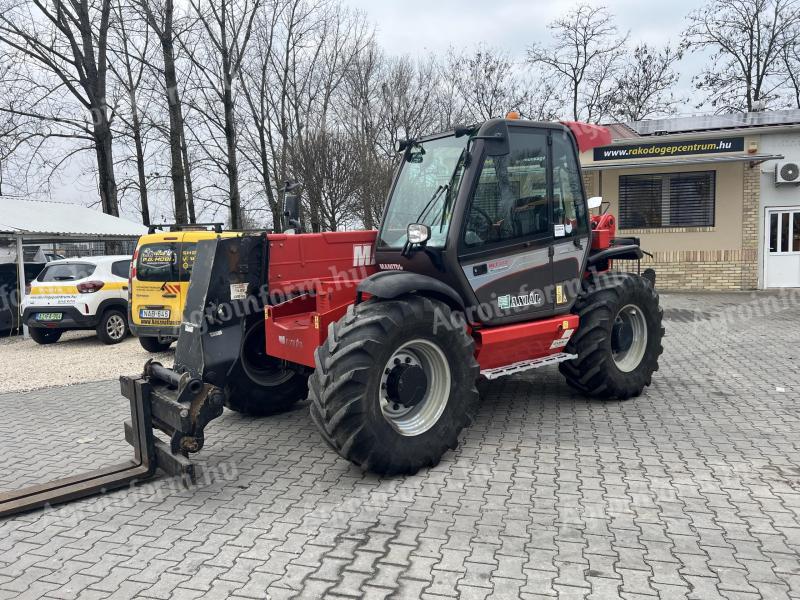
[394, 384]
[113, 326]
[155, 344]
[260, 384]
[618, 341]
[43, 336]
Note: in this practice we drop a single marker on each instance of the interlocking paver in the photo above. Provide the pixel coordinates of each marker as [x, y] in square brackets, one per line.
[691, 490]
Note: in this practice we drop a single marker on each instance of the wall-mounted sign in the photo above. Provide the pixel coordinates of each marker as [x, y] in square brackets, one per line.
[666, 149]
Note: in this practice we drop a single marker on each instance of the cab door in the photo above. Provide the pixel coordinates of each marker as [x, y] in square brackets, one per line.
[507, 233]
[570, 222]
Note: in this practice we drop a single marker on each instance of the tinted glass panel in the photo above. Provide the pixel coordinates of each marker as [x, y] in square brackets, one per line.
[773, 232]
[784, 232]
[157, 262]
[510, 200]
[569, 207]
[796, 233]
[66, 272]
[121, 268]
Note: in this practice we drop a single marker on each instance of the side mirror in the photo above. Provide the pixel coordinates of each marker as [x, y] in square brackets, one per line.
[418, 233]
[594, 202]
[291, 206]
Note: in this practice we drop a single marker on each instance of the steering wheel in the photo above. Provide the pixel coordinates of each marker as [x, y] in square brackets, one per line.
[488, 227]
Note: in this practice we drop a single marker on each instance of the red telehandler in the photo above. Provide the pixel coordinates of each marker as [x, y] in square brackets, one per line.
[486, 263]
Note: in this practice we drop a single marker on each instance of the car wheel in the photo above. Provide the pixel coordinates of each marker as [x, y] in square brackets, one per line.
[43, 336]
[113, 327]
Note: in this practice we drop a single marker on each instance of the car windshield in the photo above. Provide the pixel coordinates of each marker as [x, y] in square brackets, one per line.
[428, 182]
[66, 272]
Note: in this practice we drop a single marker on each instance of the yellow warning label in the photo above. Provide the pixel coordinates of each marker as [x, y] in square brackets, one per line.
[560, 297]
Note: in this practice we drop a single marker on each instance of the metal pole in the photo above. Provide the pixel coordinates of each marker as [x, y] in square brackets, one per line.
[21, 278]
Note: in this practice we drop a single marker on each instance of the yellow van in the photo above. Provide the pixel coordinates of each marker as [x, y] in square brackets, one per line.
[159, 279]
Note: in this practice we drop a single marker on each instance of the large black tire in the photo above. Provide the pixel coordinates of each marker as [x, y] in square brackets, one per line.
[155, 344]
[113, 326]
[260, 385]
[605, 331]
[42, 335]
[349, 388]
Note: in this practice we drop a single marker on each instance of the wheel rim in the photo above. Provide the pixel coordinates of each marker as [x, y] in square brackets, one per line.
[422, 413]
[115, 327]
[629, 338]
[265, 370]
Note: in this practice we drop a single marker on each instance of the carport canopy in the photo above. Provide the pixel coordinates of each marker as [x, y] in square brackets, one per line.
[38, 221]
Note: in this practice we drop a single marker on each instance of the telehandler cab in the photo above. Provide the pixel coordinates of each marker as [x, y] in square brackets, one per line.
[486, 263]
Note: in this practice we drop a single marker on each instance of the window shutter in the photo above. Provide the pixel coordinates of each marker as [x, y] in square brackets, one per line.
[667, 200]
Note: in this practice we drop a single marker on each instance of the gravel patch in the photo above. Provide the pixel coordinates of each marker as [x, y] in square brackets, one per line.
[78, 357]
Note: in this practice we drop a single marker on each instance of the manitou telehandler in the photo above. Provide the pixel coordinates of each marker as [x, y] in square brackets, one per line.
[486, 263]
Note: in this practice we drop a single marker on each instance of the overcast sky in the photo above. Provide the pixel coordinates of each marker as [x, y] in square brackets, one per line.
[414, 26]
[417, 27]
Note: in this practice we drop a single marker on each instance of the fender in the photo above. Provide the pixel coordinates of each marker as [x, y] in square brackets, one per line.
[627, 252]
[112, 303]
[392, 284]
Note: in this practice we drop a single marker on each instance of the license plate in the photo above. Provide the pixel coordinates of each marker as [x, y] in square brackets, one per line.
[49, 316]
[153, 313]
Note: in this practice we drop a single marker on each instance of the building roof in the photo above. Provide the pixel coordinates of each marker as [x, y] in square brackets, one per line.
[704, 123]
[57, 219]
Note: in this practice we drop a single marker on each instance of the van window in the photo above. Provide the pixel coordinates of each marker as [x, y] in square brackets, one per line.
[157, 262]
[120, 268]
[165, 262]
[66, 272]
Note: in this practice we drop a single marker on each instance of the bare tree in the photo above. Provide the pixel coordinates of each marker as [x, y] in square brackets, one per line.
[488, 83]
[67, 41]
[227, 26]
[582, 60]
[129, 69]
[644, 86]
[791, 65]
[747, 41]
[160, 18]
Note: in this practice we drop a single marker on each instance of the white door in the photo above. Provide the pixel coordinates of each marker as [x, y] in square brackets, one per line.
[782, 251]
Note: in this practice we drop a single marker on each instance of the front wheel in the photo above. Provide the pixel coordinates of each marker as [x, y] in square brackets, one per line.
[618, 341]
[259, 384]
[394, 384]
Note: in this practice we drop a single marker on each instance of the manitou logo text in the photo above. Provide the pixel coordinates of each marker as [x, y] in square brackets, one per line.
[291, 342]
[509, 301]
[362, 255]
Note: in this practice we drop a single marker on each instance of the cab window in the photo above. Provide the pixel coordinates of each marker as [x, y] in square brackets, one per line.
[569, 208]
[120, 268]
[157, 262]
[510, 201]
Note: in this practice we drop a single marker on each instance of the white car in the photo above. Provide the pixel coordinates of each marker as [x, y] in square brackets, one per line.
[79, 293]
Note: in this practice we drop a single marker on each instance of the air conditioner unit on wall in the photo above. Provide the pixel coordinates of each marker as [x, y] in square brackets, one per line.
[787, 172]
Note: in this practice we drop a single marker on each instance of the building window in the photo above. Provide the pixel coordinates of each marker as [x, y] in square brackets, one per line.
[667, 200]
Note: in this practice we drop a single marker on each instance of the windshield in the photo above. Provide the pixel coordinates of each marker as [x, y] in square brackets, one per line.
[425, 190]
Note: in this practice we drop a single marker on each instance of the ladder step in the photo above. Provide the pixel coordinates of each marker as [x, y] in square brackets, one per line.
[526, 365]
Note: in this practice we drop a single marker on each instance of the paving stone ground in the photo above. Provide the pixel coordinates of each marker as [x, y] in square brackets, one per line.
[690, 491]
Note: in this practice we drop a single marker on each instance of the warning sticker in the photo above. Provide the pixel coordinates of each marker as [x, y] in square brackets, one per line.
[238, 291]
